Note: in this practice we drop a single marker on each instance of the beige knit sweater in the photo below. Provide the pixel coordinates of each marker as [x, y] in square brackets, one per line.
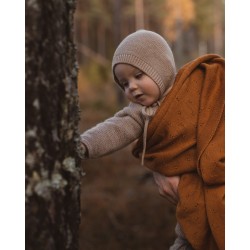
[118, 131]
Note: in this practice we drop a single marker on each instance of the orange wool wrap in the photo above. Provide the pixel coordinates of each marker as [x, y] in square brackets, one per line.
[186, 137]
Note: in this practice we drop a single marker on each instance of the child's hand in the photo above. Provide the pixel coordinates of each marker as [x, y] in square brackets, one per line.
[168, 187]
[82, 150]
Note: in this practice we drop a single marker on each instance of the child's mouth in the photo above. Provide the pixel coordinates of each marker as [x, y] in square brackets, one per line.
[138, 96]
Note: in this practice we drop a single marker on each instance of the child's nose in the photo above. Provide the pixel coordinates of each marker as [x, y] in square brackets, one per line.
[132, 85]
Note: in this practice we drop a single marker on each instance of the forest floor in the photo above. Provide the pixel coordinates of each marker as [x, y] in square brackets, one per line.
[121, 208]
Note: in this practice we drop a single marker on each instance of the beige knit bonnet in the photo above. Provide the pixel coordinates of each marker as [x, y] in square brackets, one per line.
[149, 52]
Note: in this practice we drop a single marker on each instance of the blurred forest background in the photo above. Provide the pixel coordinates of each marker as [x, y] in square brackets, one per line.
[121, 207]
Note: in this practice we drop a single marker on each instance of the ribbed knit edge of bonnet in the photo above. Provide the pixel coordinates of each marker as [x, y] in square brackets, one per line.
[138, 63]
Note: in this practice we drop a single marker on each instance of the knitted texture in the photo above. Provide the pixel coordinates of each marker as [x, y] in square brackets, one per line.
[115, 132]
[186, 137]
[149, 52]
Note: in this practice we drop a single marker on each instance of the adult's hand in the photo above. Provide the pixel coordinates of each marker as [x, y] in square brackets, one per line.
[168, 187]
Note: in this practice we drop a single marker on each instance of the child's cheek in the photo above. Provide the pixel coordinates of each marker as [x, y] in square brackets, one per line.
[128, 95]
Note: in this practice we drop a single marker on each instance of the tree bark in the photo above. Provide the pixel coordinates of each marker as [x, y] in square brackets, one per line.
[52, 181]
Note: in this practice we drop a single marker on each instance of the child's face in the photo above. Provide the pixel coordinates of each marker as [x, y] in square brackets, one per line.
[138, 87]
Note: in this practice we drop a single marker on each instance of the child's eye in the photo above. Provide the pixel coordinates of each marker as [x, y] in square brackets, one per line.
[124, 84]
[138, 75]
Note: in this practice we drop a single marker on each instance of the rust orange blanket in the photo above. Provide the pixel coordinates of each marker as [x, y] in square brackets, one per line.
[186, 137]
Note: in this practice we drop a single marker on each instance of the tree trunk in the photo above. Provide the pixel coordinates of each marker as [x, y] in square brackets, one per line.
[52, 196]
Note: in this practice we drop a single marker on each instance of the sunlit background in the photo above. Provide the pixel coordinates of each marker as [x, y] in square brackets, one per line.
[191, 27]
[121, 207]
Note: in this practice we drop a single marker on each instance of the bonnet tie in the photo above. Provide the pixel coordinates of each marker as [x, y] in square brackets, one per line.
[148, 113]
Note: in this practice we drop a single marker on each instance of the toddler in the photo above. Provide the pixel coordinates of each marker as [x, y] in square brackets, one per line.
[143, 66]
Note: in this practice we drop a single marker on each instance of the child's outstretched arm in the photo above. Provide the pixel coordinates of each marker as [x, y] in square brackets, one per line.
[113, 134]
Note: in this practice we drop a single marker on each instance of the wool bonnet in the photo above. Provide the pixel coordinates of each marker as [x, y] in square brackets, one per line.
[149, 52]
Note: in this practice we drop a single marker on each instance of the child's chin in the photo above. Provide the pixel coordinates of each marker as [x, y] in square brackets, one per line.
[145, 104]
